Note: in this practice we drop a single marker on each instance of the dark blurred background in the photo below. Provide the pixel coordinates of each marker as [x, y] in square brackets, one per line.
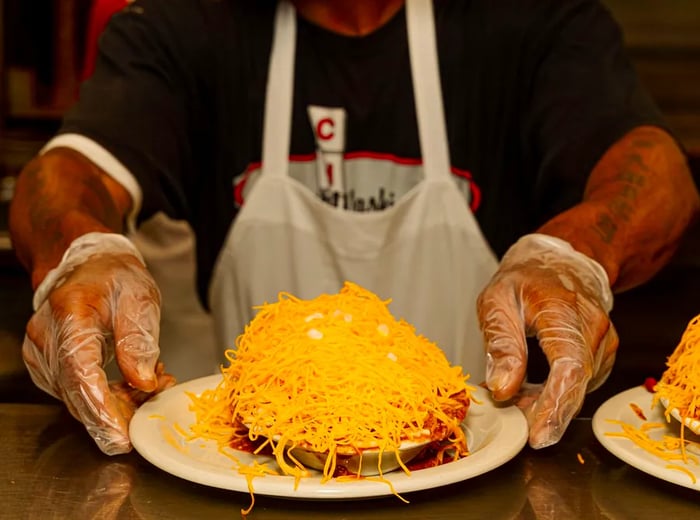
[41, 56]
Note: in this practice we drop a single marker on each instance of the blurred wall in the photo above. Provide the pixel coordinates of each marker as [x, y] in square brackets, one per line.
[663, 38]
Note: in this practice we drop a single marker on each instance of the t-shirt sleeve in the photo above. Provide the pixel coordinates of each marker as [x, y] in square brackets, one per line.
[140, 104]
[584, 96]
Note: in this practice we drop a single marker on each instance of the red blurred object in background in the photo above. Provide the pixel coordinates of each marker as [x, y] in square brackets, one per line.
[100, 13]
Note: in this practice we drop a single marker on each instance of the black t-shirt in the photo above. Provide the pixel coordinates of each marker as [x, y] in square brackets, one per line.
[534, 92]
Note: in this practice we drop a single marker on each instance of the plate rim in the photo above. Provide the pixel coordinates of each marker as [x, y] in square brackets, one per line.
[625, 449]
[508, 441]
[693, 424]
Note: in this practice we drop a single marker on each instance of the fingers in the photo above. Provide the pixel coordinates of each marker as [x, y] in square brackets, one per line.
[73, 333]
[605, 358]
[545, 288]
[504, 335]
[574, 333]
[85, 390]
[39, 361]
[558, 328]
[136, 333]
[129, 399]
[66, 361]
[104, 302]
[561, 398]
[579, 342]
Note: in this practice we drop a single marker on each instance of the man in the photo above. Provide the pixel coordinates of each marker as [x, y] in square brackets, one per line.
[357, 140]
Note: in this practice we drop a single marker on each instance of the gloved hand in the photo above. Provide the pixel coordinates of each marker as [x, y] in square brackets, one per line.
[99, 301]
[545, 288]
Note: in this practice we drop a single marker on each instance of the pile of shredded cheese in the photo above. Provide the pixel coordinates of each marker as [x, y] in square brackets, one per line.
[680, 383]
[337, 374]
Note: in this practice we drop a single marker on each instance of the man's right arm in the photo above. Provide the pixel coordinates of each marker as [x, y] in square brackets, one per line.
[67, 214]
[60, 196]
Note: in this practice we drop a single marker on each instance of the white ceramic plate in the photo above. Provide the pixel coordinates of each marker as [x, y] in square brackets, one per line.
[693, 424]
[495, 435]
[620, 408]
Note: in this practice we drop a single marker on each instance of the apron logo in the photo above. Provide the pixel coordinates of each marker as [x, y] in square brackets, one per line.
[367, 193]
[356, 181]
[329, 133]
[325, 129]
[348, 200]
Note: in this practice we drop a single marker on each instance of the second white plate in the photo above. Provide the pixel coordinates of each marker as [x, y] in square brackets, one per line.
[495, 435]
[620, 408]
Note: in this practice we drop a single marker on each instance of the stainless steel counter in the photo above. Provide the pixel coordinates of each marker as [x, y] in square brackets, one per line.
[51, 469]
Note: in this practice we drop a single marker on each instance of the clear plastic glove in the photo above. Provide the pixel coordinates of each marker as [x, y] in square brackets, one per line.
[545, 288]
[99, 302]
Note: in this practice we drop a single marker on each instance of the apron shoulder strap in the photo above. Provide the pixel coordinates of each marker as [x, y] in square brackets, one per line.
[427, 91]
[279, 93]
[426, 84]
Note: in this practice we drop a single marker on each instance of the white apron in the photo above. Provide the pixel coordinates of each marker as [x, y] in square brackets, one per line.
[426, 252]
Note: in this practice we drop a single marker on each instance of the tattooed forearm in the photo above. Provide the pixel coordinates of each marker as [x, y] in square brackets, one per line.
[56, 195]
[631, 181]
[639, 200]
[59, 197]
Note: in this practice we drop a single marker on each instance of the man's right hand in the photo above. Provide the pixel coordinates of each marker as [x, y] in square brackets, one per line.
[106, 305]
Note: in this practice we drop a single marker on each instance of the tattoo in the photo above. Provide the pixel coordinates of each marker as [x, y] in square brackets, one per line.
[57, 198]
[621, 209]
[605, 227]
[630, 178]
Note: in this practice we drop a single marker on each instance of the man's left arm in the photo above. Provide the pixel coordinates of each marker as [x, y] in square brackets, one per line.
[639, 200]
[555, 284]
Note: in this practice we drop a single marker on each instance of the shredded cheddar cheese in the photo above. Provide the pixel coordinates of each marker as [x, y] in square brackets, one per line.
[667, 447]
[676, 467]
[335, 375]
[680, 383]
[680, 387]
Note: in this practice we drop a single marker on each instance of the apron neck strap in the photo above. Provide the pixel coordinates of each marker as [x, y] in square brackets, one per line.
[279, 95]
[426, 85]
